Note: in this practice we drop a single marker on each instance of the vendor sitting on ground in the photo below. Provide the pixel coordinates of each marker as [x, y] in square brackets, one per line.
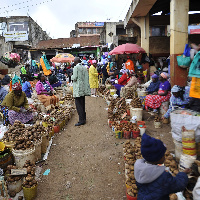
[154, 85]
[26, 87]
[179, 99]
[154, 101]
[17, 104]
[3, 92]
[54, 81]
[45, 91]
[152, 180]
[124, 78]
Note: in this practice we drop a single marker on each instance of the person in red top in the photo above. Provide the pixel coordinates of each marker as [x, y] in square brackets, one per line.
[90, 60]
[123, 79]
[129, 64]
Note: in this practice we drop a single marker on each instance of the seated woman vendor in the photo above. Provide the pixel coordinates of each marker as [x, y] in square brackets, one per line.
[179, 99]
[45, 91]
[154, 85]
[124, 78]
[17, 104]
[163, 94]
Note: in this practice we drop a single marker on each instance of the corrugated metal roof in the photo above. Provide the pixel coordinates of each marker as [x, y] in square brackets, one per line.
[68, 42]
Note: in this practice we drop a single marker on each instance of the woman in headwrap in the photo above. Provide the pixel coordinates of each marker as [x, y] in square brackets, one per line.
[45, 91]
[163, 94]
[17, 104]
[154, 85]
[179, 99]
[93, 78]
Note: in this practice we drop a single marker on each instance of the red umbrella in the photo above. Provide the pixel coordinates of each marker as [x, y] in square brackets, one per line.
[127, 49]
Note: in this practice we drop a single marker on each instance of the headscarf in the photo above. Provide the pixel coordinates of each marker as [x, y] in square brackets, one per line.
[175, 88]
[164, 75]
[154, 76]
[17, 86]
[84, 58]
[94, 61]
[123, 71]
[179, 89]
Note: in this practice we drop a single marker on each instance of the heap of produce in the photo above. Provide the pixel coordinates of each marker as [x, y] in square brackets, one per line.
[23, 137]
[129, 94]
[157, 118]
[129, 154]
[136, 103]
[30, 178]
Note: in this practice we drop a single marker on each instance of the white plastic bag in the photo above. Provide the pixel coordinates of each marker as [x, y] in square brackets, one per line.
[196, 190]
[3, 129]
[133, 119]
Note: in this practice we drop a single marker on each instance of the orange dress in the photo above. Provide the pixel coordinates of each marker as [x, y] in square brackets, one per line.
[129, 65]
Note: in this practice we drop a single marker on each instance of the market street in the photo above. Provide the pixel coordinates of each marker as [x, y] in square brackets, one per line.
[85, 162]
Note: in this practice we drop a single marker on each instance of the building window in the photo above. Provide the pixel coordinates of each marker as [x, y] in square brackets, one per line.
[18, 26]
[158, 31]
[94, 31]
[80, 30]
[89, 31]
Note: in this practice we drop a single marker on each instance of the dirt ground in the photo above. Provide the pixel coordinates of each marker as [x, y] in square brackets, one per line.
[86, 163]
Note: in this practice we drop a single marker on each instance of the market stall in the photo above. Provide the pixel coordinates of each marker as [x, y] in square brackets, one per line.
[125, 118]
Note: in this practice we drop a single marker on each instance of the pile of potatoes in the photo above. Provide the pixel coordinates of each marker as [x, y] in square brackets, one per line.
[130, 159]
[137, 147]
[130, 127]
[22, 136]
[30, 178]
[129, 94]
[171, 163]
[136, 103]
[157, 118]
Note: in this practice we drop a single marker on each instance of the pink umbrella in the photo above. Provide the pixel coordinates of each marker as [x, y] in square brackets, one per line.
[127, 48]
[15, 56]
[62, 60]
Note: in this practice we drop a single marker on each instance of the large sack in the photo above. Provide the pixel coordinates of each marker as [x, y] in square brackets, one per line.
[188, 120]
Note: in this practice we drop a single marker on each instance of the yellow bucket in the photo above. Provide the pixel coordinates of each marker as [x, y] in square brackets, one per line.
[30, 193]
[2, 146]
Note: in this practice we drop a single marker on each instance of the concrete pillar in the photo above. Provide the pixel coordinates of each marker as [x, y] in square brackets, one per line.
[179, 20]
[143, 23]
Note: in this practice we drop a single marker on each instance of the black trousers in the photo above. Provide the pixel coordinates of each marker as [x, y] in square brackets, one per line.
[80, 106]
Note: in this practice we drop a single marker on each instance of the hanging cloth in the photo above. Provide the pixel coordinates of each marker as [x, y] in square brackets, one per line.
[46, 62]
[195, 66]
[45, 70]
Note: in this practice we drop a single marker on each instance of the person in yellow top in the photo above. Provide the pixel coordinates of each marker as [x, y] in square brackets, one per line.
[129, 64]
[17, 104]
[93, 78]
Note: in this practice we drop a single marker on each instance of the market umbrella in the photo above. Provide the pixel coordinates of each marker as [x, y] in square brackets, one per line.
[127, 48]
[63, 57]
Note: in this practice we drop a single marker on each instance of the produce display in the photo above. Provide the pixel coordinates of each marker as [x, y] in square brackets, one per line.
[136, 103]
[30, 178]
[24, 140]
[157, 118]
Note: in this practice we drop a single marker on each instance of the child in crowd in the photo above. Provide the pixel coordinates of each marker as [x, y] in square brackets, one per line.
[153, 182]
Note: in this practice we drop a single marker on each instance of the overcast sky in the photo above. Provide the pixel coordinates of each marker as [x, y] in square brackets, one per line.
[58, 17]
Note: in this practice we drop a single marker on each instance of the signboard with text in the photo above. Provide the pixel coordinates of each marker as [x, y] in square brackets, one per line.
[16, 36]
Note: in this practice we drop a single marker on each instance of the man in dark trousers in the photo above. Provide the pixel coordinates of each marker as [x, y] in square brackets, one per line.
[81, 88]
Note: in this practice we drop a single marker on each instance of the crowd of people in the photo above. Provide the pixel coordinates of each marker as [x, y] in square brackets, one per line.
[158, 91]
